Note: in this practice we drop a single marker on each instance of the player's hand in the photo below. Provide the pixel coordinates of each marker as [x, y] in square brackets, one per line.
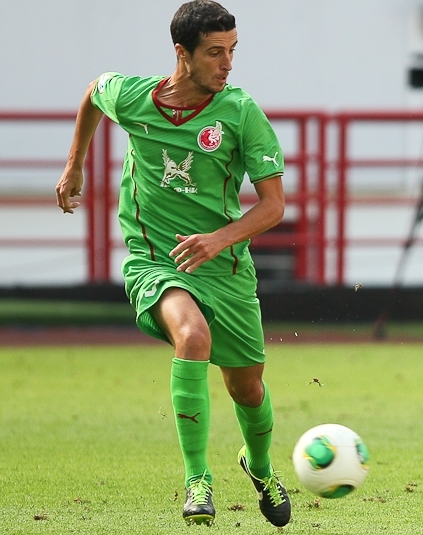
[194, 250]
[69, 187]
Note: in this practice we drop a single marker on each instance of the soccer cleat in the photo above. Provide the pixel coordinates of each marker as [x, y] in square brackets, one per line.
[272, 496]
[198, 508]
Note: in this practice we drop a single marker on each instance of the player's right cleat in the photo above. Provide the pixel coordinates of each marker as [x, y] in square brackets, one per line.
[198, 508]
[272, 496]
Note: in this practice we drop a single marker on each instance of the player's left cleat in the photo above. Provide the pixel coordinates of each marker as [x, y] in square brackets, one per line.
[199, 508]
[272, 496]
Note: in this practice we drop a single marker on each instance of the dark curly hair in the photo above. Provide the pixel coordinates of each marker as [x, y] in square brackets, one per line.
[196, 19]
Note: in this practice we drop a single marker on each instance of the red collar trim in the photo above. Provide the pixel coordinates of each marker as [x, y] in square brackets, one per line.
[176, 119]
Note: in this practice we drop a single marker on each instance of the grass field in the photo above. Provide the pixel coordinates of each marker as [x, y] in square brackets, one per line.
[88, 443]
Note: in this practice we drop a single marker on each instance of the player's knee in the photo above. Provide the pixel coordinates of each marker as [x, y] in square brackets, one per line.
[193, 343]
[247, 395]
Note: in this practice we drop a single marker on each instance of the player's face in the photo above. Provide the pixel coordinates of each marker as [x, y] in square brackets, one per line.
[209, 65]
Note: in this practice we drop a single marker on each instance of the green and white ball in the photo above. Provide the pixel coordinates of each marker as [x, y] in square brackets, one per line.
[331, 460]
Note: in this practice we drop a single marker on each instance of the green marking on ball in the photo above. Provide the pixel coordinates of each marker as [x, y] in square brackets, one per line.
[320, 453]
[362, 452]
[338, 492]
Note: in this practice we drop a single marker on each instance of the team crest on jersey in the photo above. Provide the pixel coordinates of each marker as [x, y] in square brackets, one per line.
[173, 170]
[210, 137]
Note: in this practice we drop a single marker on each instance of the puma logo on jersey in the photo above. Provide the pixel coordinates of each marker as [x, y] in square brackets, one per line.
[270, 159]
[145, 126]
[172, 170]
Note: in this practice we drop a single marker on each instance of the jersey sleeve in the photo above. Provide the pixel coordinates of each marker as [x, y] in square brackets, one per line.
[105, 93]
[260, 148]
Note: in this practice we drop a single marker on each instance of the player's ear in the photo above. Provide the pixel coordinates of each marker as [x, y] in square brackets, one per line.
[180, 51]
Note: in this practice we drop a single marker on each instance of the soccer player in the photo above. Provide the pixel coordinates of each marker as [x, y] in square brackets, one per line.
[189, 274]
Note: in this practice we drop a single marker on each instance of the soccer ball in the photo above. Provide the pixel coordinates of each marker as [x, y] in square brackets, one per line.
[331, 460]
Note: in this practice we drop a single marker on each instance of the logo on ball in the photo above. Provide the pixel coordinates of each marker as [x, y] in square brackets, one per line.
[210, 137]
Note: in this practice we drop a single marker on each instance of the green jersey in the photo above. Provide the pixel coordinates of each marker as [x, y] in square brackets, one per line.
[183, 168]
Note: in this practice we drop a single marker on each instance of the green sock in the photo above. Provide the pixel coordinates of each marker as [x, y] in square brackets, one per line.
[256, 424]
[191, 405]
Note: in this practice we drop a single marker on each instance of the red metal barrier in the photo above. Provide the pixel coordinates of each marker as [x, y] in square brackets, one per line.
[99, 193]
[345, 162]
[12, 163]
[311, 195]
[307, 236]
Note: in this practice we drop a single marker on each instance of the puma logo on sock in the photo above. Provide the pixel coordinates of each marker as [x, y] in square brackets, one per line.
[192, 418]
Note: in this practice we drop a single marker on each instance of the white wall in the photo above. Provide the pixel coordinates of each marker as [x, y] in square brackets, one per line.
[291, 53]
[329, 54]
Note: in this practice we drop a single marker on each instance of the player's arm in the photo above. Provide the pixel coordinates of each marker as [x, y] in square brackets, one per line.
[70, 183]
[194, 250]
[265, 214]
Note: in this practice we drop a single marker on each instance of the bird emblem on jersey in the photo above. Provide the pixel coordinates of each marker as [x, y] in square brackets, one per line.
[173, 170]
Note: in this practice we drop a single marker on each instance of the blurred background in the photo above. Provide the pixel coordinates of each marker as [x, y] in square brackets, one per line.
[342, 83]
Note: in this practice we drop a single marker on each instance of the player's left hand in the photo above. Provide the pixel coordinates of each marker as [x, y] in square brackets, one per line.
[194, 250]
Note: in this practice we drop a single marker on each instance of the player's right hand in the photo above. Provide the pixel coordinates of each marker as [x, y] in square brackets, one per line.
[68, 187]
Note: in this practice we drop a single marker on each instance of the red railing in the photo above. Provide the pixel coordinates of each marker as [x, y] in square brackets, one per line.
[13, 163]
[100, 202]
[345, 163]
[308, 238]
[321, 184]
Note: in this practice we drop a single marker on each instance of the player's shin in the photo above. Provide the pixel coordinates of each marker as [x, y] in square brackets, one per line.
[191, 405]
[256, 424]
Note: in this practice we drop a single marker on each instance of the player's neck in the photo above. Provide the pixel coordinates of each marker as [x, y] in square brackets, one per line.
[180, 92]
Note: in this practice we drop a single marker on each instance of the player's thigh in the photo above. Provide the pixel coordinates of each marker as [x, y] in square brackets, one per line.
[179, 317]
[237, 331]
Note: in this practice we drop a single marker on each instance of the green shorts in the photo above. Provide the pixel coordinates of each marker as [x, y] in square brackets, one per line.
[229, 304]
